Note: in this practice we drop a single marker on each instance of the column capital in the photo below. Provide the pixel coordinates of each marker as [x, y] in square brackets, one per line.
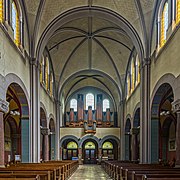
[146, 61]
[58, 102]
[135, 130]
[33, 61]
[176, 106]
[44, 130]
[4, 106]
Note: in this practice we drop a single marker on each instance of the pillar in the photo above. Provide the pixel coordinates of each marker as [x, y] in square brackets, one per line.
[176, 109]
[25, 140]
[144, 111]
[57, 133]
[100, 155]
[122, 133]
[35, 111]
[45, 144]
[80, 155]
[134, 143]
[3, 109]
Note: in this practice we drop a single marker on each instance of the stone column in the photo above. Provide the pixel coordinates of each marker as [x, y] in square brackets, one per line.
[134, 143]
[57, 133]
[122, 133]
[3, 109]
[35, 111]
[144, 111]
[100, 155]
[44, 131]
[176, 109]
[80, 155]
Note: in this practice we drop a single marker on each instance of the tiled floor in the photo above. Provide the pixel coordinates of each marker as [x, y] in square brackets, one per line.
[90, 172]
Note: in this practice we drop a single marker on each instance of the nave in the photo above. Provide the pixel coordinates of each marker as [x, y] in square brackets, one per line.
[90, 172]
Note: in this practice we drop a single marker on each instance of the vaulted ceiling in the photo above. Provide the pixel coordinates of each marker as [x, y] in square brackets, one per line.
[90, 41]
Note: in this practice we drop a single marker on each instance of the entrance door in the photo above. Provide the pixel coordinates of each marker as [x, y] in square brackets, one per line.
[90, 156]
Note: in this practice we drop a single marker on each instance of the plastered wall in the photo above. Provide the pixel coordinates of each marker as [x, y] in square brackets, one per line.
[100, 132]
[47, 101]
[12, 62]
[167, 61]
[133, 100]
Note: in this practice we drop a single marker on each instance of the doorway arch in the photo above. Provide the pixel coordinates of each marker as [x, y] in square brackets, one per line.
[90, 151]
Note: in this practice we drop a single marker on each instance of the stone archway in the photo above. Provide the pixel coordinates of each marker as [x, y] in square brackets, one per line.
[16, 122]
[161, 108]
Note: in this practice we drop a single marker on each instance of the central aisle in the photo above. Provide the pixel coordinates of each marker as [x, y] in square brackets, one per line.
[90, 172]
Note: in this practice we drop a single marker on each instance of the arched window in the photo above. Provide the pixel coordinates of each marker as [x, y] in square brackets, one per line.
[128, 85]
[107, 145]
[137, 70]
[73, 104]
[51, 84]
[15, 23]
[177, 11]
[89, 101]
[72, 145]
[132, 75]
[1, 11]
[47, 73]
[42, 70]
[105, 104]
[164, 24]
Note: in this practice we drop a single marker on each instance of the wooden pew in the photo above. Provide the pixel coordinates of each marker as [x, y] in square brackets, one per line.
[137, 175]
[161, 177]
[20, 176]
[51, 172]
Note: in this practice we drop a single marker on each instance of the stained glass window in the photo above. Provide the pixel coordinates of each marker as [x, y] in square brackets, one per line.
[164, 24]
[132, 75]
[137, 70]
[1, 11]
[107, 145]
[128, 85]
[89, 101]
[177, 11]
[105, 104]
[42, 70]
[51, 84]
[90, 145]
[15, 23]
[47, 73]
[73, 104]
[72, 145]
